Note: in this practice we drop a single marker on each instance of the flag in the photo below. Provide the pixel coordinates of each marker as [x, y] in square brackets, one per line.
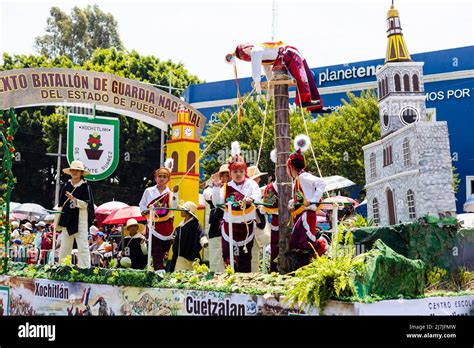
[85, 296]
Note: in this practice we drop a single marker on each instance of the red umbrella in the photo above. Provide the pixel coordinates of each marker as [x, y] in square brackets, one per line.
[122, 215]
[103, 210]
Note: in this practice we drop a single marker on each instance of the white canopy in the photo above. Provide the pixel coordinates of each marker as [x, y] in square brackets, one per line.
[336, 182]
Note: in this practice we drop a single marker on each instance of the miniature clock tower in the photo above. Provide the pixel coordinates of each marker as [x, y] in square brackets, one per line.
[184, 149]
[408, 171]
[400, 82]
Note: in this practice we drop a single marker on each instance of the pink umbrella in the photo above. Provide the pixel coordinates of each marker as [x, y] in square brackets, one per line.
[109, 207]
[341, 201]
[103, 210]
[18, 216]
[122, 215]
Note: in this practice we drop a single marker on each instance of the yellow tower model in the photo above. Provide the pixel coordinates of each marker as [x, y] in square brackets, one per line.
[183, 148]
[396, 48]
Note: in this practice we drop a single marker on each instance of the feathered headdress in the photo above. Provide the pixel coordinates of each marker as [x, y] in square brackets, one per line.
[301, 144]
[235, 149]
[236, 160]
[169, 163]
[167, 168]
[273, 156]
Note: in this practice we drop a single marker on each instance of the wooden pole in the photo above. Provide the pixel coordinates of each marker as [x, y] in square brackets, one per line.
[282, 145]
[231, 235]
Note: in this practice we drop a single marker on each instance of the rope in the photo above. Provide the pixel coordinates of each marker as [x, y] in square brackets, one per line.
[215, 138]
[256, 164]
[263, 132]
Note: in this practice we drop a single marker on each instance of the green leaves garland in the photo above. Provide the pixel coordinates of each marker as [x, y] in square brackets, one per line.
[8, 129]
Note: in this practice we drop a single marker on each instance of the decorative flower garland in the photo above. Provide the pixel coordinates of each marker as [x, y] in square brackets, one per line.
[8, 129]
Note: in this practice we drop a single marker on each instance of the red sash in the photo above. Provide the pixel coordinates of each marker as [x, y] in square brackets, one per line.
[164, 201]
[235, 195]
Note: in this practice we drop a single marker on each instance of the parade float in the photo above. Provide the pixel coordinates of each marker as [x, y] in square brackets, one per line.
[418, 261]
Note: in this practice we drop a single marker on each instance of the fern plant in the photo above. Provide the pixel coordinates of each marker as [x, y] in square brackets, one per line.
[329, 276]
[360, 221]
[434, 276]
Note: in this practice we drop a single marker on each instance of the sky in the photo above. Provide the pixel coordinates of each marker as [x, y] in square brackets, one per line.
[200, 33]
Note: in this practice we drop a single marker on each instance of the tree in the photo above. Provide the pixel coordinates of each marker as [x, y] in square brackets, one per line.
[78, 35]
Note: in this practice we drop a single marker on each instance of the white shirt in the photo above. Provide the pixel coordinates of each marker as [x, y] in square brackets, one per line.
[207, 193]
[313, 188]
[249, 188]
[152, 193]
[257, 55]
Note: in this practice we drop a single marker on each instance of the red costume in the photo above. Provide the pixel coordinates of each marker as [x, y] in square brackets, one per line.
[243, 220]
[273, 54]
[162, 233]
[307, 189]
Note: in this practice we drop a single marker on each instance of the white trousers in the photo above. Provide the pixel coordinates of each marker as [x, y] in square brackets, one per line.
[67, 241]
[216, 263]
[262, 239]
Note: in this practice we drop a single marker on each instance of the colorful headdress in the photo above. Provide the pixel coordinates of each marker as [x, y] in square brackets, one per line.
[166, 168]
[301, 144]
[239, 52]
[236, 161]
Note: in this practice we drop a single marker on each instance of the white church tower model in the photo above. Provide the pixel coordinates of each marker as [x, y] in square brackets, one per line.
[408, 171]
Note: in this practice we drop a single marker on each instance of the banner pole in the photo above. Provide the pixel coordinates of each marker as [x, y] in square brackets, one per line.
[150, 229]
[53, 247]
[231, 235]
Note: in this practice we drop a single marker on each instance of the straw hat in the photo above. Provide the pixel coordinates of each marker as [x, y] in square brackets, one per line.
[77, 165]
[224, 168]
[28, 226]
[190, 207]
[133, 222]
[253, 172]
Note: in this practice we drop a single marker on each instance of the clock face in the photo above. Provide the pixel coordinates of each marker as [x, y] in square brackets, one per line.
[188, 131]
[176, 132]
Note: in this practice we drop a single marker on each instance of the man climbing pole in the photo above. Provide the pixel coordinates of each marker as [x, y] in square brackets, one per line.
[273, 54]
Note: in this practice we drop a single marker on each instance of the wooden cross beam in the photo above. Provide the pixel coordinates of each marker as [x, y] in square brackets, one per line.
[269, 84]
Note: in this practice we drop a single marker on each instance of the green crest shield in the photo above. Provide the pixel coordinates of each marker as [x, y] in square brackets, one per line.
[95, 142]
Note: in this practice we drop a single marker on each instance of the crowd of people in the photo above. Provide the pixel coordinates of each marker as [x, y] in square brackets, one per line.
[242, 226]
